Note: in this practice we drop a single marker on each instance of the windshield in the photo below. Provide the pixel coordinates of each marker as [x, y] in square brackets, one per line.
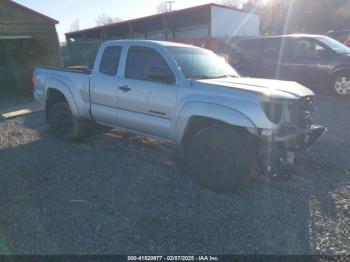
[198, 63]
[334, 45]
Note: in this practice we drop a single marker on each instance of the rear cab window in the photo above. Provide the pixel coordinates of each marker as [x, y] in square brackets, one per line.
[110, 60]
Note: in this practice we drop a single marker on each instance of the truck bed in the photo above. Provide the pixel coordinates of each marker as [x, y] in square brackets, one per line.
[73, 69]
[74, 82]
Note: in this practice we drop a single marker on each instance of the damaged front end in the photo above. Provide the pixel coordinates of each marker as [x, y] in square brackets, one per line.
[293, 133]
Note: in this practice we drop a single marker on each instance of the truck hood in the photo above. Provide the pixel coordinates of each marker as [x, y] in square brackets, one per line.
[266, 87]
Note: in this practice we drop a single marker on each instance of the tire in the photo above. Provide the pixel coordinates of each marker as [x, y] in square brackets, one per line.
[341, 84]
[221, 158]
[64, 125]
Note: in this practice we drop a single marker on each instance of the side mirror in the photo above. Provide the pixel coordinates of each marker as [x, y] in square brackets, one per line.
[160, 73]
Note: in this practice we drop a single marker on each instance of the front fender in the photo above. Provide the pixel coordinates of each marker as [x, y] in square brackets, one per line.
[64, 89]
[209, 110]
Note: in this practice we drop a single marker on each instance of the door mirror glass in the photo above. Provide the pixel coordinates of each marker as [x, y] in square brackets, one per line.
[160, 73]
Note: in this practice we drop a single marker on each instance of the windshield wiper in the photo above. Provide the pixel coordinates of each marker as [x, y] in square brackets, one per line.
[223, 76]
[211, 77]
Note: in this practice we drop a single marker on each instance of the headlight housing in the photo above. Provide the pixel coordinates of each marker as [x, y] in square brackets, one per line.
[296, 112]
[273, 110]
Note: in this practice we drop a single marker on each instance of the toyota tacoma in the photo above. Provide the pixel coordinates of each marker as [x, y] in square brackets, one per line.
[229, 128]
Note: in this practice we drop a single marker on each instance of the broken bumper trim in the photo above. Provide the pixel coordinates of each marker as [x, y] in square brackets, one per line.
[305, 137]
[311, 135]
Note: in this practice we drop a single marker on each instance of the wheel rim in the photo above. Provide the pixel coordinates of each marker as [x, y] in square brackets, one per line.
[342, 85]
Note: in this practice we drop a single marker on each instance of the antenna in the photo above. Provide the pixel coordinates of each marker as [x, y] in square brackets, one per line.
[170, 3]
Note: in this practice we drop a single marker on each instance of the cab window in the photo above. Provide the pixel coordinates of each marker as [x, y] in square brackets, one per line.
[139, 62]
[110, 60]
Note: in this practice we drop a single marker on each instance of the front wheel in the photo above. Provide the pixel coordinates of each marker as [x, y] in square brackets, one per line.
[341, 85]
[221, 158]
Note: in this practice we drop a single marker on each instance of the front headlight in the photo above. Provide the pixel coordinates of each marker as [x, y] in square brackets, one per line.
[296, 112]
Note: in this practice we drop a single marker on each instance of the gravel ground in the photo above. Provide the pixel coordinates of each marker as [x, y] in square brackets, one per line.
[118, 193]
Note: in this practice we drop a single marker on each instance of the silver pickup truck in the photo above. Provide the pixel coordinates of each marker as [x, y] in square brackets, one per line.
[228, 127]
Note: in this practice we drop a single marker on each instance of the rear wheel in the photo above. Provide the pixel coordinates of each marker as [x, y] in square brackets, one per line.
[341, 85]
[64, 125]
[221, 158]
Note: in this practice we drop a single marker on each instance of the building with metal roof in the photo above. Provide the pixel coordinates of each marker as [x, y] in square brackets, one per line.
[200, 24]
[27, 39]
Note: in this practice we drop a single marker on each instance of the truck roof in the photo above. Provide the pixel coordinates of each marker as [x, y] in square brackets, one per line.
[285, 36]
[147, 42]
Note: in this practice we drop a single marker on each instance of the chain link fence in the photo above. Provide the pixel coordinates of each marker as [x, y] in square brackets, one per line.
[79, 53]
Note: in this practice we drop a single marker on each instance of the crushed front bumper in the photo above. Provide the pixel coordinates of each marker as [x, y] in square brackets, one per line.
[278, 151]
[302, 138]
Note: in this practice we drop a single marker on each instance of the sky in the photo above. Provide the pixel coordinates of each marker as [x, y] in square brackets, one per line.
[86, 11]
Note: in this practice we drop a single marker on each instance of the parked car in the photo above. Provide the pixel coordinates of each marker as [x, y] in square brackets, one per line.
[342, 36]
[314, 60]
[347, 43]
[228, 127]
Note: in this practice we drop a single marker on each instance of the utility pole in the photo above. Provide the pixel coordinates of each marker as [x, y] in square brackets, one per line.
[170, 3]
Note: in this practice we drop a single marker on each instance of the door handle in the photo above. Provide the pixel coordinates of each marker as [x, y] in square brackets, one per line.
[124, 88]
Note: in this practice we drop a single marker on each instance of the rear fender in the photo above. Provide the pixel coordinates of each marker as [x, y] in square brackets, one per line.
[63, 88]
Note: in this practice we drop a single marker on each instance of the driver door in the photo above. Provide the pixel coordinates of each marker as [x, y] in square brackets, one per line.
[146, 105]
